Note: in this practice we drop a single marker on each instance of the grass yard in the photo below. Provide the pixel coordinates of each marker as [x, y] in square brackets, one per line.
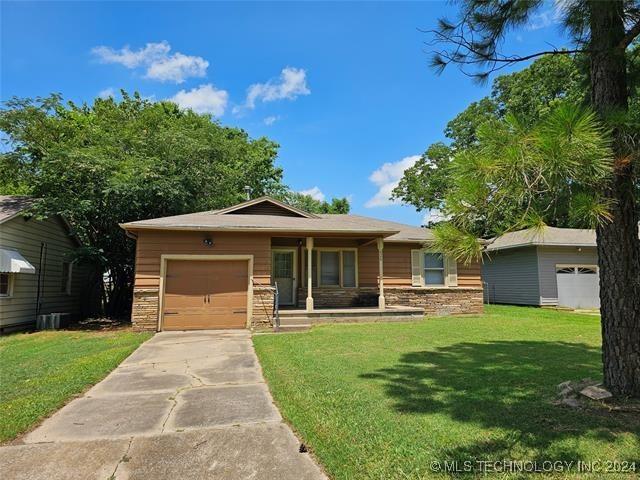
[39, 372]
[386, 400]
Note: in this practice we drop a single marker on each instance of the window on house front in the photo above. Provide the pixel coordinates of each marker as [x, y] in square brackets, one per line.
[65, 281]
[332, 268]
[5, 285]
[348, 268]
[433, 269]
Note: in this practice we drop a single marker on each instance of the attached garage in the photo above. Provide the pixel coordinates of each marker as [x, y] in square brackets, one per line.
[202, 294]
[578, 286]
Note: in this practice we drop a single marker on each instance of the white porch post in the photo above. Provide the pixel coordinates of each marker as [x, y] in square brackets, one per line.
[381, 301]
[309, 273]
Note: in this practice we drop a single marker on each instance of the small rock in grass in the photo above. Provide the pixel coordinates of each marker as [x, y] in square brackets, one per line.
[596, 393]
[566, 392]
[564, 385]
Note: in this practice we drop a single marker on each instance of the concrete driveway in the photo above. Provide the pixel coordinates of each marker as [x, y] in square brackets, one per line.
[184, 405]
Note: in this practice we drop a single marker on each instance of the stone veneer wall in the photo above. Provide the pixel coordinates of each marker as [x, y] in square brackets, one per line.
[262, 315]
[437, 301]
[340, 297]
[144, 312]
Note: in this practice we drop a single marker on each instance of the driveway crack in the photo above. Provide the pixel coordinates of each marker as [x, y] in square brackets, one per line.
[125, 458]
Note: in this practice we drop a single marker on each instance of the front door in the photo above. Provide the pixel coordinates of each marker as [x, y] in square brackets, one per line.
[283, 266]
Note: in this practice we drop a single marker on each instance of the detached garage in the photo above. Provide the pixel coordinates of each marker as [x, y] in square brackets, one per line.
[547, 267]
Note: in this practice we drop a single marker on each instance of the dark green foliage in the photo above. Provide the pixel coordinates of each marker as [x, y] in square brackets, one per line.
[311, 205]
[111, 162]
[529, 95]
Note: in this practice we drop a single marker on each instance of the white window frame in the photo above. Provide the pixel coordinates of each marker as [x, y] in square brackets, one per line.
[67, 288]
[450, 270]
[425, 268]
[316, 253]
[10, 281]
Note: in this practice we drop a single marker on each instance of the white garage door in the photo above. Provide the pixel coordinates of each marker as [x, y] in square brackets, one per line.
[578, 286]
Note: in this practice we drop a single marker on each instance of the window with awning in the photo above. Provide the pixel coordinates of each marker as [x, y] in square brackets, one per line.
[11, 261]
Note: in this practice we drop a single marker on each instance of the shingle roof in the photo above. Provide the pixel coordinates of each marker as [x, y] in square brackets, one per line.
[11, 205]
[547, 236]
[323, 223]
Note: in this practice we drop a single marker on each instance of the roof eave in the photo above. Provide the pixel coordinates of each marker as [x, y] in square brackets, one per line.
[203, 228]
[540, 244]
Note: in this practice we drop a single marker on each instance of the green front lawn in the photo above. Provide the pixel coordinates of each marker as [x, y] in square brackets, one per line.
[39, 372]
[386, 400]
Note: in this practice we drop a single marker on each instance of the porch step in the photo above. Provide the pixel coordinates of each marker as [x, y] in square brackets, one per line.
[302, 318]
[291, 321]
[294, 328]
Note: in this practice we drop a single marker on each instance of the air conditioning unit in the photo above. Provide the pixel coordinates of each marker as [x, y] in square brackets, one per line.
[51, 321]
[42, 322]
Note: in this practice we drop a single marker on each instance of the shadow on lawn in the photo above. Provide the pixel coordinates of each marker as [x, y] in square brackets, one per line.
[505, 386]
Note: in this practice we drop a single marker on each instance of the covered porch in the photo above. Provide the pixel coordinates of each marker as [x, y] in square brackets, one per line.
[327, 273]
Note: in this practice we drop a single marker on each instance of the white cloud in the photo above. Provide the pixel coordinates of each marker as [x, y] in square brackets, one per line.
[314, 193]
[291, 83]
[203, 99]
[107, 92]
[386, 178]
[160, 64]
[546, 18]
[270, 120]
[433, 215]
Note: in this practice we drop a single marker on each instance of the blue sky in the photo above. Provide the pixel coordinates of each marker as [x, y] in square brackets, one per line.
[344, 88]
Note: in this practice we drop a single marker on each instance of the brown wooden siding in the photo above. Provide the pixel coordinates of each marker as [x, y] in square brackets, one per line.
[397, 267]
[469, 275]
[397, 257]
[152, 244]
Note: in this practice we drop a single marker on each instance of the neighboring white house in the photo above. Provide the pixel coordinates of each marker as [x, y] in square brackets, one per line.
[37, 273]
[545, 267]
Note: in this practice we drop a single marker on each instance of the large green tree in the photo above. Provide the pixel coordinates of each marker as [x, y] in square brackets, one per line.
[602, 32]
[529, 95]
[312, 205]
[110, 162]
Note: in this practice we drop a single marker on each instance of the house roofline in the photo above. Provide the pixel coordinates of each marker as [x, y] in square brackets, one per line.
[265, 198]
[196, 228]
[539, 244]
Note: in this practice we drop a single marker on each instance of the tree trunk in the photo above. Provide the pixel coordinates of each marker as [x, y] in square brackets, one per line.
[617, 241]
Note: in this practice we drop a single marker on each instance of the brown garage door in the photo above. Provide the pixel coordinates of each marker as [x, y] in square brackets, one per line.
[205, 294]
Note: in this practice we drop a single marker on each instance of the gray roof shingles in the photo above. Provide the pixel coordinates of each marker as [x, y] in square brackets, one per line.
[11, 205]
[334, 223]
[546, 236]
